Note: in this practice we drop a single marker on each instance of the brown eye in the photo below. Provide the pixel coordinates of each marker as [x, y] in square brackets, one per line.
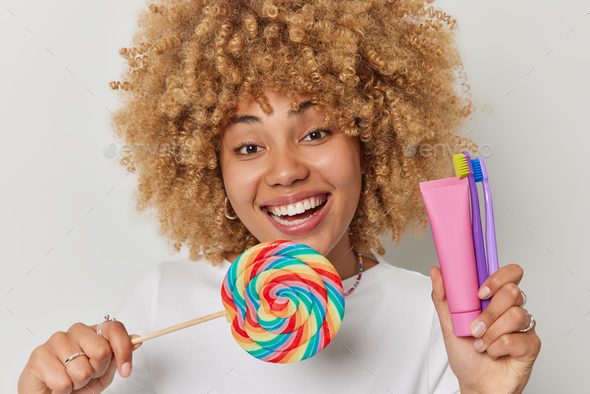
[316, 134]
[249, 147]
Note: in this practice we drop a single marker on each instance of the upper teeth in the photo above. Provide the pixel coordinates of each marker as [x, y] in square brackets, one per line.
[298, 207]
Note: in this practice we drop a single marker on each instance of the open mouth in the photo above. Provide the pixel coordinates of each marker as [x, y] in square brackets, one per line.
[298, 218]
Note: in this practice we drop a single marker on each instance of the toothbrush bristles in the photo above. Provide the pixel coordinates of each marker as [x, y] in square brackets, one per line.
[461, 167]
[477, 172]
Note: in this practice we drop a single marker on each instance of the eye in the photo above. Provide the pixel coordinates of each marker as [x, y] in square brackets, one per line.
[317, 133]
[250, 147]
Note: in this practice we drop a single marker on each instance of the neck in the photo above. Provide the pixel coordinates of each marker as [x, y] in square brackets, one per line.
[344, 258]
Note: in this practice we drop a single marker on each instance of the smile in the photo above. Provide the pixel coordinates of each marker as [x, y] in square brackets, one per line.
[300, 217]
[297, 212]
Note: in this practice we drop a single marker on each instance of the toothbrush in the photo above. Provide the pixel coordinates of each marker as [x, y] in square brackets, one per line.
[480, 172]
[463, 168]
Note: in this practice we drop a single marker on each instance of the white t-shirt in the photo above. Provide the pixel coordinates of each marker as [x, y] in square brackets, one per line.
[390, 339]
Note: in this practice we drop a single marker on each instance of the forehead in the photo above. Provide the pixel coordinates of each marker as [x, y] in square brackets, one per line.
[249, 111]
[275, 99]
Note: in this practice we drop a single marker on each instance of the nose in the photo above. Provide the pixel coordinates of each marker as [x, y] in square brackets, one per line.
[286, 167]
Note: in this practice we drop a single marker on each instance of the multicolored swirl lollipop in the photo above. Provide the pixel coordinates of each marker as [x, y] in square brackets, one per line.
[284, 300]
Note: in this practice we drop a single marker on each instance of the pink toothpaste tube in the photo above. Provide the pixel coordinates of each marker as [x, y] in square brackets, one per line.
[447, 206]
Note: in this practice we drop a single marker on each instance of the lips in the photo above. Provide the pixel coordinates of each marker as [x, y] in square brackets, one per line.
[297, 208]
[307, 225]
[292, 199]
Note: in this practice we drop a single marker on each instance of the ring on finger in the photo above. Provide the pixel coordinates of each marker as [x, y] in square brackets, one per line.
[73, 356]
[531, 325]
[107, 318]
[525, 299]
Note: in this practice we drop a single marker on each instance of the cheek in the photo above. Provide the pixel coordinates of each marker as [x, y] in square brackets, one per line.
[240, 184]
[340, 165]
[231, 176]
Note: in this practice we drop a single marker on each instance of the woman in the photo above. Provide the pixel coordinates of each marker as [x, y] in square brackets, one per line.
[277, 103]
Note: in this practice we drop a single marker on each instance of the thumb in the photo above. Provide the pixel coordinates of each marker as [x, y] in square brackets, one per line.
[137, 345]
[439, 298]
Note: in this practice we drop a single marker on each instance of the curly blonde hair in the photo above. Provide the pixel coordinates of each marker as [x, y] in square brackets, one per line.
[386, 71]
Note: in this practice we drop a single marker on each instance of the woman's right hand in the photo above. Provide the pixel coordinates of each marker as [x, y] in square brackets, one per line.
[45, 372]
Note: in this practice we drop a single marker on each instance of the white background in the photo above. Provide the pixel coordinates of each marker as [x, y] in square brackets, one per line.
[73, 243]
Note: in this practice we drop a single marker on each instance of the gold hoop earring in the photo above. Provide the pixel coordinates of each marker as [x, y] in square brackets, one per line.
[226, 214]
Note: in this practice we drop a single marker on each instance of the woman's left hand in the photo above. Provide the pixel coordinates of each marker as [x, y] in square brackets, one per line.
[498, 359]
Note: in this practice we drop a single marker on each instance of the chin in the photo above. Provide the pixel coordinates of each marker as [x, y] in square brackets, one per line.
[319, 247]
[316, 245]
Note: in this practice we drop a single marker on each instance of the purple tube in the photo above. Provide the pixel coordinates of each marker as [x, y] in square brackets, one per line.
[447, 206]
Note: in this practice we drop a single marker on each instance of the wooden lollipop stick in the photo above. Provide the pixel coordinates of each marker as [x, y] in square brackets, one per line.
[178, 327]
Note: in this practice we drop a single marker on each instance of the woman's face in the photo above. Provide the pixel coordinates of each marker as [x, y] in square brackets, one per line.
[275, 166]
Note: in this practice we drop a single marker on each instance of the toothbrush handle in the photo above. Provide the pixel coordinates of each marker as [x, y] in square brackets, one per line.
[490, 230]
[480, 254]
[482, 272]
[486, 274]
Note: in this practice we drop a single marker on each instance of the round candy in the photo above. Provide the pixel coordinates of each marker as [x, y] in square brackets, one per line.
[284, 301]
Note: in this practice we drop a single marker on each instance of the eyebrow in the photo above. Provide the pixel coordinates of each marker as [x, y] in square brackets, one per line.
[250, 119]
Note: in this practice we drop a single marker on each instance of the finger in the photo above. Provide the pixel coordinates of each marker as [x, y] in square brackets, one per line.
[47, 368]
[100, 384]
[137, 345]
[439, 298]
[96, 347]
[106, 379]
[516, 318]
[522, 346]
[511, 273]
[116, 334]
[63, 345]
[508, 296]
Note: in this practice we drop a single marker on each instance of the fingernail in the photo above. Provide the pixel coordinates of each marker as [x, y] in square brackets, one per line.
[478, 329]
[126, 370]
[484, 292]
[478, 343]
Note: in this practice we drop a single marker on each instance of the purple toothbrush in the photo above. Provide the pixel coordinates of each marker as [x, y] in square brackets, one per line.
[480, 257]
[491, 248]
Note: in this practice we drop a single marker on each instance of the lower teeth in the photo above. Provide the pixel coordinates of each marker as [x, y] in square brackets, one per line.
[294, 222]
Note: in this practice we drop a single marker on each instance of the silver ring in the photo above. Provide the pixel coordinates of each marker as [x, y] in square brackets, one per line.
[525, 299]
[73, 356]
[106, 319]
[530, 325]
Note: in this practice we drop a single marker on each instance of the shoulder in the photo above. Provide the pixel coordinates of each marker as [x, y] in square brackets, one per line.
[186, 283]
[174, 282]
[175, 273]
[414, 277]
[185, 272]
[411, 286]
[398, 296]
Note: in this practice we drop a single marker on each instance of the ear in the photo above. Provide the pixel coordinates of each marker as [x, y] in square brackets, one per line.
[364, 165]
[364, 169]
